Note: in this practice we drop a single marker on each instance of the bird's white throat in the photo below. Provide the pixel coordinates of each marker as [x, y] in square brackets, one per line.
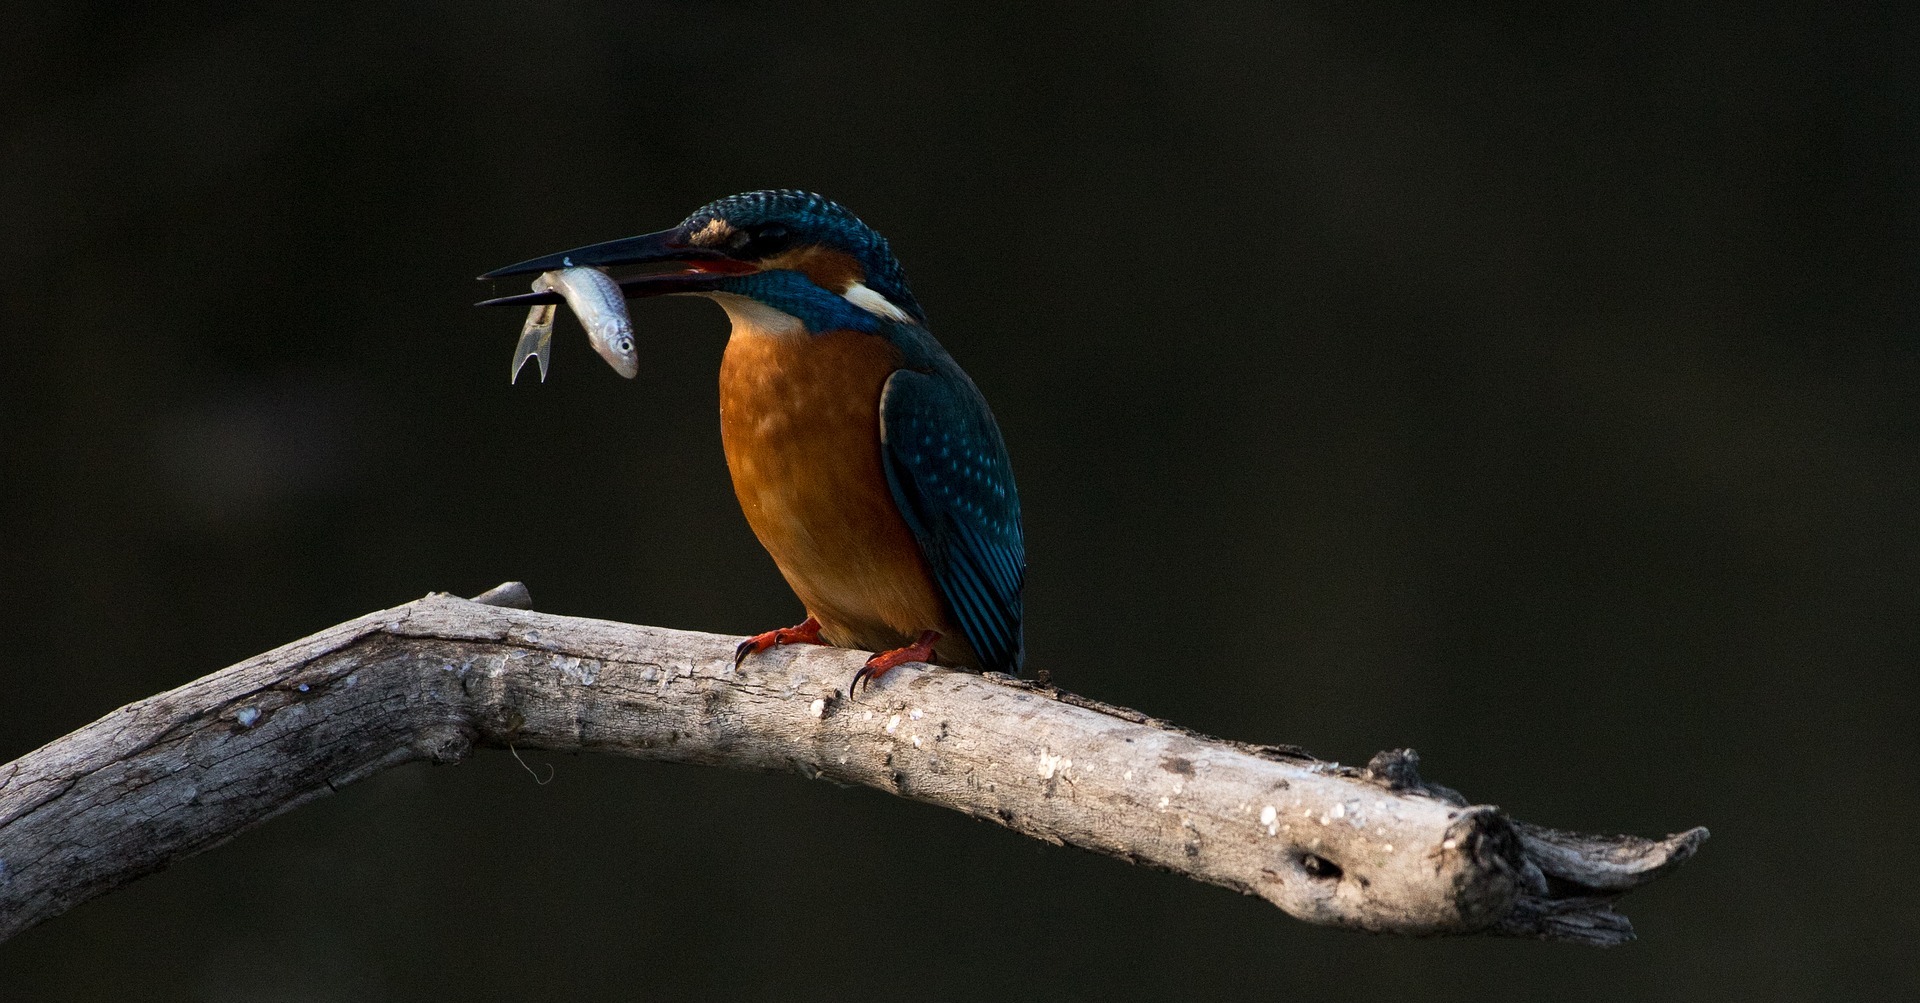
[752, 318]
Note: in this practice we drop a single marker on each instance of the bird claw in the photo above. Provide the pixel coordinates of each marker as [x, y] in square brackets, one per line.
[808, 632]
[886, 661]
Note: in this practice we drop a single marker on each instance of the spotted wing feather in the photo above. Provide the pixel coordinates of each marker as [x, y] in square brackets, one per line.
[948, 470]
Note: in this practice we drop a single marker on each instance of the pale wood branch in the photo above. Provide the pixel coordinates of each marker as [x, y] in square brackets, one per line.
[1372, 849]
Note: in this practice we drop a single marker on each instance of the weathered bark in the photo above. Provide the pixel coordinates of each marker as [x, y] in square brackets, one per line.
[1373, 849]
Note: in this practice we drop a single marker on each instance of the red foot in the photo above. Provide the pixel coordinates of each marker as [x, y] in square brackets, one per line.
[884, 662]
[806, 633]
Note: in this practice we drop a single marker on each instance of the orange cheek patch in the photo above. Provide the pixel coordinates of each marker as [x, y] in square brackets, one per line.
[830, 270]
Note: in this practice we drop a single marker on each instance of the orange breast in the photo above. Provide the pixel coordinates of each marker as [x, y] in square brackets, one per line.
[800, 420]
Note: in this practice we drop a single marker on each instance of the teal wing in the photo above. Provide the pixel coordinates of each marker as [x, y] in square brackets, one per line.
[948, 470]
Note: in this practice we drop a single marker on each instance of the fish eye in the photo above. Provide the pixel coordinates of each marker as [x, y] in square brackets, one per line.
[625, 344]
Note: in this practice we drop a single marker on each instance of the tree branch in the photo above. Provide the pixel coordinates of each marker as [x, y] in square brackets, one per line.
[1374, 849]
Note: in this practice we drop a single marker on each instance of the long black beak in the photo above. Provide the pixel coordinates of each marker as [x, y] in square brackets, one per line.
[637, 287]
[699, 267]
[667, 245]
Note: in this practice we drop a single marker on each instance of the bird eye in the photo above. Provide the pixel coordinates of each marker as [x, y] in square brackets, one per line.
[768, 238]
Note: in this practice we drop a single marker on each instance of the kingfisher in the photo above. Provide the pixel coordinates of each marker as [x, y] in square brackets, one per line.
[866, 460]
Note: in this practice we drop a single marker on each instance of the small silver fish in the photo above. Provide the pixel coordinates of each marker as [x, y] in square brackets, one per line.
[602, 309]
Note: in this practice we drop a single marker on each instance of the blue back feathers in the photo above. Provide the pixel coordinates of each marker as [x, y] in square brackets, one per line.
[948, 470]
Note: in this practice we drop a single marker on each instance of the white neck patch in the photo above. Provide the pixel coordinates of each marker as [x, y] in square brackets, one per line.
[751, 317]
[872, 302]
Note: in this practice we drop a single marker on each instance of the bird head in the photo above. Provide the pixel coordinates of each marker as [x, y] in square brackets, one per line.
[796, 253]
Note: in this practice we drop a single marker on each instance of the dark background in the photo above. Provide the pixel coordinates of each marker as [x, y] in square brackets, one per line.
[1534, 392]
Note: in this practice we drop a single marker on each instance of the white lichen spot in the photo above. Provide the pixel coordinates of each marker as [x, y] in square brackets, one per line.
[1339, 811]
[576, 670]
[1381, 831]
[1270, 817]
[817, 708]
[868, 716]
[1051, 764]
[1164, 802]
[915, 714]
[247, 716]
[303, 687]
[1449, 844]
[892, 723]
[1306, 813]
[353, 679]
[916, 741]
[1389, 847]
[1324, 820]
[649, 674]
[1127, 776]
